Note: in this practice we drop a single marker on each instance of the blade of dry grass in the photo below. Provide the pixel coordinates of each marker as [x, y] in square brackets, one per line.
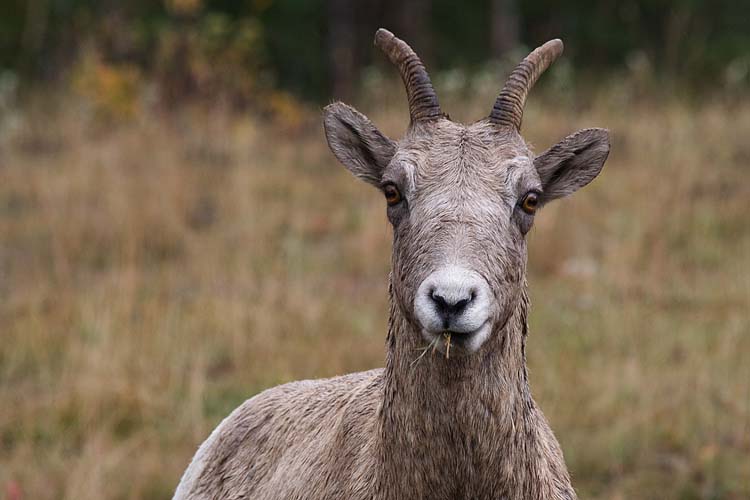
[155, 274]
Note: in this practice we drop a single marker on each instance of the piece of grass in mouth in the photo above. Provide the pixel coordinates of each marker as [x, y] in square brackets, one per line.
[447, 337]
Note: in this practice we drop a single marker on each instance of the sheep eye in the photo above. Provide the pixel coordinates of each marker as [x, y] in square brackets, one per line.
[392, 194]
[530, 202]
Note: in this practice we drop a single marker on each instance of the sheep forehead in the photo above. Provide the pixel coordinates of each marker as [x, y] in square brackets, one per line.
[463, 162]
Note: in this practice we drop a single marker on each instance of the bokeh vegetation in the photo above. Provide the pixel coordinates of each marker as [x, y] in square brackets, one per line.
[233, 48]
[175, 236]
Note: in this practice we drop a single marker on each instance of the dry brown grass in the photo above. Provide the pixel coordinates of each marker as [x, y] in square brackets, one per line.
[156, 273]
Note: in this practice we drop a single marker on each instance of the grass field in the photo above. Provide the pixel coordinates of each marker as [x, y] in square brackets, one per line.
[156, 272]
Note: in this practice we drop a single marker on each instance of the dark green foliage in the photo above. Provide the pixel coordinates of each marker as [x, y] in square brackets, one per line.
[701, 42]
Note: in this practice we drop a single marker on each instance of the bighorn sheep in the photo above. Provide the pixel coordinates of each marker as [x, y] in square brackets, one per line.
[461, 424]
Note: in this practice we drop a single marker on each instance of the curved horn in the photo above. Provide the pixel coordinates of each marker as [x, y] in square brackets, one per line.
[508, 108]
[423, 102]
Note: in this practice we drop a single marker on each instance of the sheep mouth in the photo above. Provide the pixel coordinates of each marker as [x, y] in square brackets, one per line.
[459, 337]
[451, 341]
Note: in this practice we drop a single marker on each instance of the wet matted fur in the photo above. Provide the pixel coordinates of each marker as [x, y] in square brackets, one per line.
[459, 425]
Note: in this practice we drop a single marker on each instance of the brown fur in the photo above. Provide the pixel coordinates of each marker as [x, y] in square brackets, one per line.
[439, 428]
[427, 425]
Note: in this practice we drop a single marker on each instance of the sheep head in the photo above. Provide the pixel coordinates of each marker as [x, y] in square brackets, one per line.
[461, 198]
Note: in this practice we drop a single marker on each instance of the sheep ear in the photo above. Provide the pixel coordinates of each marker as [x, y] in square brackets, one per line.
[357, 143]
[572, 163]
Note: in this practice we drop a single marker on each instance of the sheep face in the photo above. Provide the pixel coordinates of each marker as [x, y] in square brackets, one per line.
[459, 252]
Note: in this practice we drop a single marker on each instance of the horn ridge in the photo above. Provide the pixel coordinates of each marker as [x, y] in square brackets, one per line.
[423, 101]
[508, 108]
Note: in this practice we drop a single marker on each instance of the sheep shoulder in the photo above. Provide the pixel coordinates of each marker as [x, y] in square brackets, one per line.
[306, 439]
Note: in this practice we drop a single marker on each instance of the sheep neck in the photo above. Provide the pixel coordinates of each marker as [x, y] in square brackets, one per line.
[463, 426]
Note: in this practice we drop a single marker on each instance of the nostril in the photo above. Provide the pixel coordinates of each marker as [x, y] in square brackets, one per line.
[460, 305]
[440, 301]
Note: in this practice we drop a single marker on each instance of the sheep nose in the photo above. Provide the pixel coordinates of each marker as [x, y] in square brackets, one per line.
[453, 305]
[450, 297]
[453, 299]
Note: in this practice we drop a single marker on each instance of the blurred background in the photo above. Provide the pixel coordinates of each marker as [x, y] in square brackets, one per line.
[175, 236]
